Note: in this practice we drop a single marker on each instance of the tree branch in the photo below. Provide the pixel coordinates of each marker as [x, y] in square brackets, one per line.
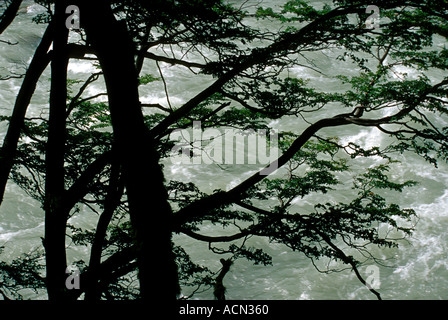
[174, 61]
[202, 206]
[346, 259]
[220, 290]
[38, 64]
[75, 100]
[242, 63]
[80, 188]
[111, 202]
[209, 239]
[9, 15]
[110, 266]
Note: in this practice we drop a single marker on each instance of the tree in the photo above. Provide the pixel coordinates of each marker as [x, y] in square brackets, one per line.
[70, 159]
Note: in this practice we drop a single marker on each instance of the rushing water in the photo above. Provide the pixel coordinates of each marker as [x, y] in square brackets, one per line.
[418, 269]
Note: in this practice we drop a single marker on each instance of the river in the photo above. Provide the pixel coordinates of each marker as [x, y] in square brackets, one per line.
[418, 269]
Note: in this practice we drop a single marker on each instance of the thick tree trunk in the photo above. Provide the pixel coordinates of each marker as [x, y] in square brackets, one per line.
[55, 211]
[149, 209]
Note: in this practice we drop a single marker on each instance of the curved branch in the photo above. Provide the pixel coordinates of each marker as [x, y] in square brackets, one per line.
[112, 265]
[173, 61]
[201, 207]
[346, 259]
[75, 100]
[210, 239]
[258, 56]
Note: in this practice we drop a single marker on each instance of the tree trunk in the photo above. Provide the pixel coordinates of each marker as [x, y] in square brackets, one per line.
[40, 61]
[114, 194]
[55, 211]
[150, 211]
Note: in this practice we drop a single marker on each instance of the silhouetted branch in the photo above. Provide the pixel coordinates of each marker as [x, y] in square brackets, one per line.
[8, 16]
[220, 290]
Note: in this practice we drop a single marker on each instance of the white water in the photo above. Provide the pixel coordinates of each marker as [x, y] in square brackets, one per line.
[417, 270]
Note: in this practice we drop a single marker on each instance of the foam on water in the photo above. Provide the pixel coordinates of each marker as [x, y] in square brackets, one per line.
[78, 66]
[423, 263]
[366, 138]
[21, 234]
